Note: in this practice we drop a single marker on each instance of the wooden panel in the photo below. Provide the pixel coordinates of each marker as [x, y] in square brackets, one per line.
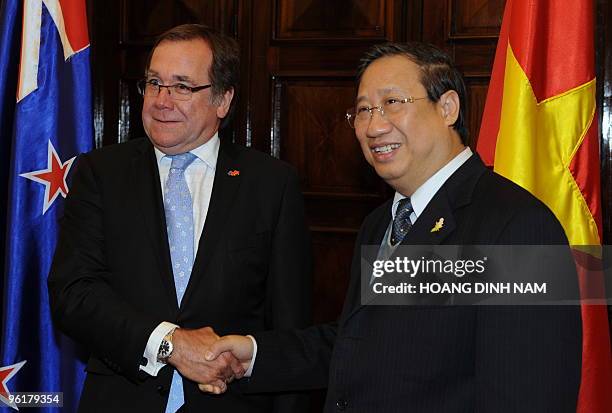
[316, 59]
[310, 132]
[134, 61]
[474, 60]
[334, 213]
[475, 18]
[317, 139]
[477, 95]
[322, 19]
[435, 23]
[332, 254]
[143, 20]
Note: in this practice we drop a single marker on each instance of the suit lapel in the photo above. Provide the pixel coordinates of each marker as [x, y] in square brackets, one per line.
[225, 188]
[425, 231]
[456, 192]
[145, 183]
[420, 234]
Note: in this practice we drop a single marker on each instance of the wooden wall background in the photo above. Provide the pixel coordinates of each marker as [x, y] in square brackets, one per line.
[298, 64]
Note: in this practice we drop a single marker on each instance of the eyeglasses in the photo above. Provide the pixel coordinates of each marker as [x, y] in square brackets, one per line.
[391, 107]
[179, 91]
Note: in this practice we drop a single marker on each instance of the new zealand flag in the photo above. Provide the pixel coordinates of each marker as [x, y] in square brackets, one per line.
[45, 122]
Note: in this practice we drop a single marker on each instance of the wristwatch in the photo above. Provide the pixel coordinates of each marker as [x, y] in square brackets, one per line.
[165, 348]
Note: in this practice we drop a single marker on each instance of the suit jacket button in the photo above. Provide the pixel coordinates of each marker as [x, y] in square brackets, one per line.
[161, 390]
[341, 404]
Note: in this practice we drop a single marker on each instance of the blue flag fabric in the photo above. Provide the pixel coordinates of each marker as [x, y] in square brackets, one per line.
[9, 47]
[50, 126]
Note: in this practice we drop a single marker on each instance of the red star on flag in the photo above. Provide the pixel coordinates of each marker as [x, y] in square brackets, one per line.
[53, 178]
[5, 375]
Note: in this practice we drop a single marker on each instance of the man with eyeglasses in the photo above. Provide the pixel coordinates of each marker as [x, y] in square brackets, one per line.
[409, 118]
[165, 235]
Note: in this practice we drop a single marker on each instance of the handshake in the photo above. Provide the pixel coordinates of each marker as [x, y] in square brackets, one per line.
[212, 361]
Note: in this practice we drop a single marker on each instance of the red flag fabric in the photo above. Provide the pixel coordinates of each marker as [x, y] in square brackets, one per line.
[539, 129]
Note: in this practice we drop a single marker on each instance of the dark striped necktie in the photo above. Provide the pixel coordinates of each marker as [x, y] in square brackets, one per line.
[401, 222]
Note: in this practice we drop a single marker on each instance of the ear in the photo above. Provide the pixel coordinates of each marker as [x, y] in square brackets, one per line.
[224, 105]
[449, 106]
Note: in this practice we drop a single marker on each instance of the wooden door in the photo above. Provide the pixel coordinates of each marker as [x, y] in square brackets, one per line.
[302, 60]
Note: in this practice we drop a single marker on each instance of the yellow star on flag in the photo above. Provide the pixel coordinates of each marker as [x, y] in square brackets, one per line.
[526, 155]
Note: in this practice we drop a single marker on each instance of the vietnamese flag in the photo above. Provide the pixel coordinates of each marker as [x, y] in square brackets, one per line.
[539, 129]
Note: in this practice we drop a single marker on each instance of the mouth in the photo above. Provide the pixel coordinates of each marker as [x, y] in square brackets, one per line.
[385, 149]
[165, 120]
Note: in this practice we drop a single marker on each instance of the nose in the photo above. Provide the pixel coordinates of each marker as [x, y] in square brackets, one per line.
[163, 99]
[378, 125]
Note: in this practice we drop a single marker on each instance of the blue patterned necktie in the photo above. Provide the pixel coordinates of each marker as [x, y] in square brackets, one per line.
[179, 222]
[401, 223]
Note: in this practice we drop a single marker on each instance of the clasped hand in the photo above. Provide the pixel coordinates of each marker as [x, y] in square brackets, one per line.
[204, 357]
[216, 370]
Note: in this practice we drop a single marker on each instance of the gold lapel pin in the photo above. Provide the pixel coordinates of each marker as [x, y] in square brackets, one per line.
[438, 226]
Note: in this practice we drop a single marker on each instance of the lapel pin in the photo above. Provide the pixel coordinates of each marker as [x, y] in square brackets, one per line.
[233, 172]
[438, 226]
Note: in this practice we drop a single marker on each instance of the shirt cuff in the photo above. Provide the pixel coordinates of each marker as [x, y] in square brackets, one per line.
[250, 369]
[153, 366]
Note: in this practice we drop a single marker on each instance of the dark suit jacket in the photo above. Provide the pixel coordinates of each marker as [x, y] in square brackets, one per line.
[111, 282]
[440, 358]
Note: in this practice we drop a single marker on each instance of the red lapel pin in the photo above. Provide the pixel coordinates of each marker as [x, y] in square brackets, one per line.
[233, 172]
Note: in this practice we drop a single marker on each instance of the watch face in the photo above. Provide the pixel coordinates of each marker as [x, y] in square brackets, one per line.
[164, 348]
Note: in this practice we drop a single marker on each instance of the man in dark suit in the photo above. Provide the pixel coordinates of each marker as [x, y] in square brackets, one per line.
[163, 236]
[409, 119]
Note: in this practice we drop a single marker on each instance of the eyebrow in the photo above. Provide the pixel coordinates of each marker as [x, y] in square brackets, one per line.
[180, 78]
[383, 92]
[390, 89]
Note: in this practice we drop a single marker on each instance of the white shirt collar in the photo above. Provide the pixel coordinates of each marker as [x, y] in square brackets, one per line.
[207, 152]
[426, 192]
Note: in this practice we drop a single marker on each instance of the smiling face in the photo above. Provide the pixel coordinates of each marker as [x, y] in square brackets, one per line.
[175, 126]
[410, 146]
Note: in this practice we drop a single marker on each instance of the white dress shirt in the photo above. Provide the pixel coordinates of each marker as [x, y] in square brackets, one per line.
[200, 175]
[421, 197]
